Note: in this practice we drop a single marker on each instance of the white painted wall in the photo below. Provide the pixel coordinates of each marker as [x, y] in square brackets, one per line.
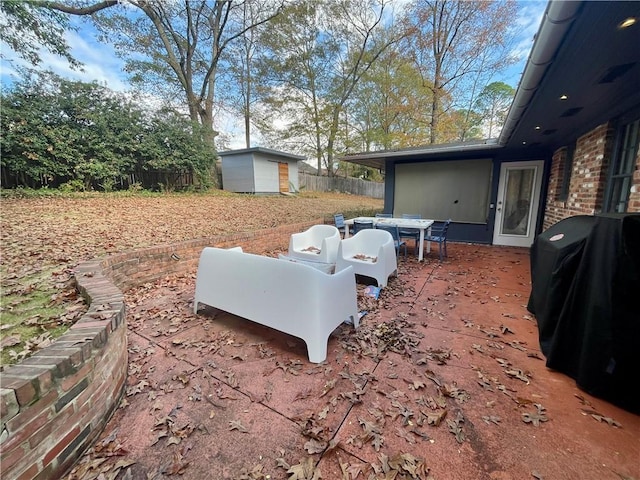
[265, 172]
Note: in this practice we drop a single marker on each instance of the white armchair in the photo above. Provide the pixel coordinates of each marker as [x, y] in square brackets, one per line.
[319, 244]
[371, 253]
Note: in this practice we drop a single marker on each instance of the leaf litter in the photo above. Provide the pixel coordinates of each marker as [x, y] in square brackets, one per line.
[398, 336]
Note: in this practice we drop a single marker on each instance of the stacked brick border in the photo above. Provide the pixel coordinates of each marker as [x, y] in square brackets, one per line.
[56, 403]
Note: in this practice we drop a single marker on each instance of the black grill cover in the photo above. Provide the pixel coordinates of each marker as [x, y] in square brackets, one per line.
[585, 275]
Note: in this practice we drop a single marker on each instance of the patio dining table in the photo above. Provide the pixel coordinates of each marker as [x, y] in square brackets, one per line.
[420, 224]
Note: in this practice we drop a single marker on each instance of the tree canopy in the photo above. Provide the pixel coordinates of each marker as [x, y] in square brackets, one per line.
[316, 77]
[26, 28]
[57, 131]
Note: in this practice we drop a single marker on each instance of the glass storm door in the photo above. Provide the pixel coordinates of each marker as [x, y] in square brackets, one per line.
[517, 205]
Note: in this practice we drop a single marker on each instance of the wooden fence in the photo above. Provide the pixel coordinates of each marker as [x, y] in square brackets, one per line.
[355, 186]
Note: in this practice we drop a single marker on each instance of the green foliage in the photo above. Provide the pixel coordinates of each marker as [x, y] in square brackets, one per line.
[493, 104]
[72, 186]
[82, 136]
[174, 150]
[26, 28]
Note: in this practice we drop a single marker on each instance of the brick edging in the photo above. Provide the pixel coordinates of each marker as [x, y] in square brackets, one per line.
[54, 404]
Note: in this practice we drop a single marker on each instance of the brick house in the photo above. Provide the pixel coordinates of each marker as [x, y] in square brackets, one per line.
[569, 145]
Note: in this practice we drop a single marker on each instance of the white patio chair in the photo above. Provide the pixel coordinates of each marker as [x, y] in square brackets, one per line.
[371, 253]
[317, 244]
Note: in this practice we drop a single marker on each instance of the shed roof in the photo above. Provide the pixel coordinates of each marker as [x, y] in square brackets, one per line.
[266, 151]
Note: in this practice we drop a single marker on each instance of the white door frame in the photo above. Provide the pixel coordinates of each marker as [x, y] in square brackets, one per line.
[515, 240]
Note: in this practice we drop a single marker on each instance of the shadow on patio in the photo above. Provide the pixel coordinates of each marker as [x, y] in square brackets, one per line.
[444, 379]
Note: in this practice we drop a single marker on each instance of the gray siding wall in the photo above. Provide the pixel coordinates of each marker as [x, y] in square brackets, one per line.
[237, 173]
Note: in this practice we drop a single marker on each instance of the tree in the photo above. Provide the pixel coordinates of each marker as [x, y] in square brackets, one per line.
[173, 47]
[173, 146]
[241, 79]
[453, 44]
[297, 72]
[493, 105]
[319, 53]
[389, 108]
[26, 28]
[56, 131]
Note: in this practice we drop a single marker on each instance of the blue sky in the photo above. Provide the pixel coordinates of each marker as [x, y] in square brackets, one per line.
[102, 64]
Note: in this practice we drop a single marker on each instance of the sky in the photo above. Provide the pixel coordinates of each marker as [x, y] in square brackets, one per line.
[101, 63]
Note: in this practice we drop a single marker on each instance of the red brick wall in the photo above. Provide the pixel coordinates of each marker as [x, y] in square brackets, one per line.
[634, 197]
[589, 171]
[54, 404]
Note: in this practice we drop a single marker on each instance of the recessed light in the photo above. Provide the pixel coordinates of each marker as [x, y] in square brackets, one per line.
[627, 22]
[563, 97]
[537, 127]
[524, 143]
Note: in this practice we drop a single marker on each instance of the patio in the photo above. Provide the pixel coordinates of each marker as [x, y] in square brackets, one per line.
[444, 379]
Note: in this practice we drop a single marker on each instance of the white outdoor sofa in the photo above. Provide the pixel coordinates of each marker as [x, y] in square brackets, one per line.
[291, 297]
[319, 243]
[369, 252]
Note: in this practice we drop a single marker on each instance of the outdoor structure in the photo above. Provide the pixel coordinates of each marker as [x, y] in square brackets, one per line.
[259, 170]
[569, 145]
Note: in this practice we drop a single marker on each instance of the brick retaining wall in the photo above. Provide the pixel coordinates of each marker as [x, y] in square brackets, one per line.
[55, 403]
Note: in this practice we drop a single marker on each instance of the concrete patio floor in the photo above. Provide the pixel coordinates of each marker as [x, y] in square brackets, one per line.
[444, 379]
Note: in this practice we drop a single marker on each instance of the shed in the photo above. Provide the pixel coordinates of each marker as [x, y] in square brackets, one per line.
[259, 170]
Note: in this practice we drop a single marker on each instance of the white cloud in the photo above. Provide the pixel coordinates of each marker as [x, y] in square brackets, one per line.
[99, 62]
[527, 23]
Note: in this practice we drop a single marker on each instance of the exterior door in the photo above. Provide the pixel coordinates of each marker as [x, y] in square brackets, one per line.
[517, 205]
[283, 177]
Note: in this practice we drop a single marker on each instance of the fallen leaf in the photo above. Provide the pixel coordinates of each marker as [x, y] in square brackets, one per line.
[602, 418]
[328, 387]
[236, 425]
[519, 374]
[305, 470]
[315, 446]
[10, 341]
[435, 418]
[491, 419]
[535, 418]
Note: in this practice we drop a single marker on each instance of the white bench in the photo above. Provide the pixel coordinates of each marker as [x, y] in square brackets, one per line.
[290, 297]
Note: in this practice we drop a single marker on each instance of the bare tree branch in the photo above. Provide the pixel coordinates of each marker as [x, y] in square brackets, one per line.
[91, 9]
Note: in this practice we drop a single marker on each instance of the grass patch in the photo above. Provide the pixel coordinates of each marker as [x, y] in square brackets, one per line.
[35, 312]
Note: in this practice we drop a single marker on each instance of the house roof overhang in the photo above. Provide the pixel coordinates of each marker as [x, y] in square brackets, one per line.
[581, 51]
